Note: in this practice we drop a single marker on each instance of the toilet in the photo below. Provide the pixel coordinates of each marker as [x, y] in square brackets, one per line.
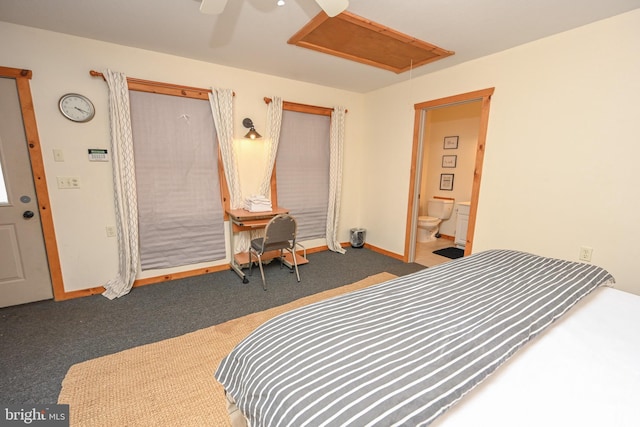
[428, 225]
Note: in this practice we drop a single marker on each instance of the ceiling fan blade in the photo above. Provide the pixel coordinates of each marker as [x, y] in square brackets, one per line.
[212, 7]
[333, 7]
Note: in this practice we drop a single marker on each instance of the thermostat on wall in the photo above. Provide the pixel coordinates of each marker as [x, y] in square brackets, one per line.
[98, 155]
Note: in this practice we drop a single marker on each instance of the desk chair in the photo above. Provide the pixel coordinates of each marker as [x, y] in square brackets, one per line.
[279, 234]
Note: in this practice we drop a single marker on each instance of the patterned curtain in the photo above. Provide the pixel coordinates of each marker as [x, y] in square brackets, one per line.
[336, 142]
[221, 101]
[124, 186]
[274, 122]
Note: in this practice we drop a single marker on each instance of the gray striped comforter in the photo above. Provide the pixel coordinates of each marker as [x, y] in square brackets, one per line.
[402, 352]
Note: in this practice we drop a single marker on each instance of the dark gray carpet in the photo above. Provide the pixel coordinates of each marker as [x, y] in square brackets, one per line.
[40, 341]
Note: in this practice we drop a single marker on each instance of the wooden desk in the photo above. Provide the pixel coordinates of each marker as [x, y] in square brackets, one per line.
[243, 220]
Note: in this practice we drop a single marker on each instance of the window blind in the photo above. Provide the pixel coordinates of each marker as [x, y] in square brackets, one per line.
[302, 171]
[181, 219]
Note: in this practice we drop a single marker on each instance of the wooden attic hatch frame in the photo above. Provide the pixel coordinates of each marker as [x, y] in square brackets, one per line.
[352, 37]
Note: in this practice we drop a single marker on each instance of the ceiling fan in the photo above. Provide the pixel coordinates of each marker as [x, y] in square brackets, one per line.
[330, 7]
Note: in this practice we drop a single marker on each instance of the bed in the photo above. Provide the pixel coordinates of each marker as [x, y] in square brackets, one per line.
[425, 349]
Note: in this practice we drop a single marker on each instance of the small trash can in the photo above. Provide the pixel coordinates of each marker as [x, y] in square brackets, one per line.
[357, 237]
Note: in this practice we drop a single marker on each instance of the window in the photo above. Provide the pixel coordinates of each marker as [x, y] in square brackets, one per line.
[302, 170]
[181, 218]
[4, 198]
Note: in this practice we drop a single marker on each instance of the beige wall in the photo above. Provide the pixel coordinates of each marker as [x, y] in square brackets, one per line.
[61, 64]
[561, 159]
[563, 146]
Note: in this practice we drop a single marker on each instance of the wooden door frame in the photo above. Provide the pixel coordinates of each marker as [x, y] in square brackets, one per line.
[484, 96]
[22, 78]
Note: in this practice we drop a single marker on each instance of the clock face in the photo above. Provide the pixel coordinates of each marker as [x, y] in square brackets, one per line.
[76, 107]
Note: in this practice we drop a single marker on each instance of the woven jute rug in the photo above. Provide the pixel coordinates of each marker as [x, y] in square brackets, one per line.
[169, 383]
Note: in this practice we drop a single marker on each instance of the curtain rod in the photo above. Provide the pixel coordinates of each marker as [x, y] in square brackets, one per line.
[163, 88]
[304, 108]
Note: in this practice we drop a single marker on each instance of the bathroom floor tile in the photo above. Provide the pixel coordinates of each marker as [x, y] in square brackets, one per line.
[425, 255]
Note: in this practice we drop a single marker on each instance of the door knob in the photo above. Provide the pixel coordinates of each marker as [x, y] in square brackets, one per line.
[27, 214]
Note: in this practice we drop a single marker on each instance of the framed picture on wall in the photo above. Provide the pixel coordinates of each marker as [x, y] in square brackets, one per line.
[450, 142]
[449, 161]
[446, 181]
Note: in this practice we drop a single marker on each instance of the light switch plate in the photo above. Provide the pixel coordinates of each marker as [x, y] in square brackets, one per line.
[67, 182]
[58, 155]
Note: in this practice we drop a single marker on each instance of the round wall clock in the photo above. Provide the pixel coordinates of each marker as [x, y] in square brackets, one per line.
[76, 107]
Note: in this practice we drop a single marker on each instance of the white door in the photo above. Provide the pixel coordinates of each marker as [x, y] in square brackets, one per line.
[24, 271]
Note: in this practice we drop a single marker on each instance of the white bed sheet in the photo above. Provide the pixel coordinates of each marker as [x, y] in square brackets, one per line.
[582, 371]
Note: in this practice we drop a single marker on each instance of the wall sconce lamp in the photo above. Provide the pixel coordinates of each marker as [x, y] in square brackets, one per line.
[252, 134]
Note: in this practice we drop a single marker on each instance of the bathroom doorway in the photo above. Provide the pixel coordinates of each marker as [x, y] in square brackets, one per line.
[435, 173]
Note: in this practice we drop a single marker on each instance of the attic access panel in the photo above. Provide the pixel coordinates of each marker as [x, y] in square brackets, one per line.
[352, 37]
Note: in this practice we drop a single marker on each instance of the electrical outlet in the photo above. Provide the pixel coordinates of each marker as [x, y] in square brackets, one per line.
[111, 231]
[585, 253]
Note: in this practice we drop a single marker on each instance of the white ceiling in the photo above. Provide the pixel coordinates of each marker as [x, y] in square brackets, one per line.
[253, 34]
